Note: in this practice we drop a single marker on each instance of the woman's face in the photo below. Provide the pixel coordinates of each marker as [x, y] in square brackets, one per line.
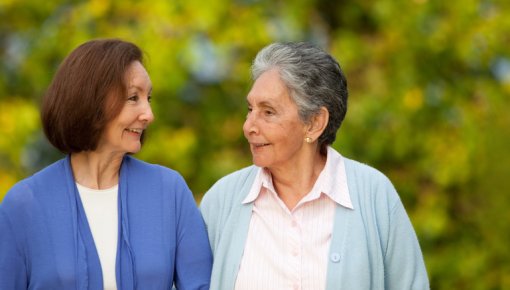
[123, 134]
[273, 127]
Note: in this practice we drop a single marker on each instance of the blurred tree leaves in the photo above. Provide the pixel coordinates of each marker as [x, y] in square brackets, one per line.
[429, 84]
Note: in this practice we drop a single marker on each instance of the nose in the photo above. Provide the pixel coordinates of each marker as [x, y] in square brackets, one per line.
[250, 125]
[147, 116]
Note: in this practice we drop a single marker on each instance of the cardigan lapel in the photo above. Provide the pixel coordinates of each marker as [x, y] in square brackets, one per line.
[125, 270]
[239, 234]
[341, 228]
[87, 266]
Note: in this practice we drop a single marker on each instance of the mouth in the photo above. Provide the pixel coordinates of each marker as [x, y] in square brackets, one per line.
[135, 130]
[260, 145]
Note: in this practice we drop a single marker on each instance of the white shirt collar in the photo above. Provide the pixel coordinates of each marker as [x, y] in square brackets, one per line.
[332, 181]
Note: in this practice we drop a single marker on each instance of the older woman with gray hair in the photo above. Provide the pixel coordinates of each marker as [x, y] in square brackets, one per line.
[303, 216]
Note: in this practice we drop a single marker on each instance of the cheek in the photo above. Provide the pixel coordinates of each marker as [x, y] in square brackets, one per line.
[294, 135]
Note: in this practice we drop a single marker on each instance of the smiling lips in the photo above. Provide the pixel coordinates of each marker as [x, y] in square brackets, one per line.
[259, 145]
[133, 130]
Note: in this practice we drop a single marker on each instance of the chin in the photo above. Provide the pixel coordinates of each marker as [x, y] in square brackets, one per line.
[133, 150]
[259, 163]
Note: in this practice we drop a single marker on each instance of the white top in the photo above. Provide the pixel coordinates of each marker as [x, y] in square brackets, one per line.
[288, 249]
[101, 209]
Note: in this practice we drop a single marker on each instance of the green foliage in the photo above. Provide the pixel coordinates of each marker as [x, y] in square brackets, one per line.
[429, 84]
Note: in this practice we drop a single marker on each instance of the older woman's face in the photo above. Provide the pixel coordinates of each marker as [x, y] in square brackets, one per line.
[122, 135]
[273, 127]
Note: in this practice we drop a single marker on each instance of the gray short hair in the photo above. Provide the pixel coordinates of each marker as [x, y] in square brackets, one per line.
[314, 79]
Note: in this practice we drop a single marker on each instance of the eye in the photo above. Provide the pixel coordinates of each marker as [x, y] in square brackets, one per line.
[133, 98]
[269, 112]
[149, 98]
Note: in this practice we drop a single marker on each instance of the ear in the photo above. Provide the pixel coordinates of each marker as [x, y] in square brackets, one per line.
[318, 124]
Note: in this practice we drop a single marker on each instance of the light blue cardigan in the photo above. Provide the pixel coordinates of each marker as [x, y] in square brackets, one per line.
[45, 241]
[373, 246]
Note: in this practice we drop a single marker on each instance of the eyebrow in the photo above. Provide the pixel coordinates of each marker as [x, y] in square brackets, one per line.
[139, 88]
[262, 104]
[266, 104]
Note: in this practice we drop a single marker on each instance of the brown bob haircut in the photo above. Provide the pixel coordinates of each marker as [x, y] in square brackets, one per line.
[87, 91]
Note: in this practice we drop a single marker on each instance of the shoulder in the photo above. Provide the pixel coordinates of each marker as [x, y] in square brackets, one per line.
[227, 193]
[34, 187]
[30, 200]
[367, 184]
[146, 171]
[232, 185]
[362, 171]
[236, 178]
[20, 196]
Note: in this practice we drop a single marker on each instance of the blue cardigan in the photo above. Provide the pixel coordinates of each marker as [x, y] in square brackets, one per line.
[46, 242]
[373, 246]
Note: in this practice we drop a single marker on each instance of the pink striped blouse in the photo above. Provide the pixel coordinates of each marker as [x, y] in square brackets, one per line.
[288, 249]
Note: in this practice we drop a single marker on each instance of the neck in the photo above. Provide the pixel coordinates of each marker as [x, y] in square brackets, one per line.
[96, 170]
[293, 183]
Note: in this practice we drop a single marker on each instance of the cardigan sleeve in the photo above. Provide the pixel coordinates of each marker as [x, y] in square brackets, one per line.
[193, 253]
[404, 265]
[13, 273]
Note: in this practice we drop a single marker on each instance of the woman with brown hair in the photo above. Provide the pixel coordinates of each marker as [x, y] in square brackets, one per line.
[99, 218]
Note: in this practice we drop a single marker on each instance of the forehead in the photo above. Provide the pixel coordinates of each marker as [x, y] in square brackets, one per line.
[136, 75]
[269, 88]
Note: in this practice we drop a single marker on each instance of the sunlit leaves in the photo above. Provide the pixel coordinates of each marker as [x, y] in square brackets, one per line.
[19, 121]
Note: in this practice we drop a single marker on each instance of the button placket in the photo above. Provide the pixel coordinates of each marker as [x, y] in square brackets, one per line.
[296, 252]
